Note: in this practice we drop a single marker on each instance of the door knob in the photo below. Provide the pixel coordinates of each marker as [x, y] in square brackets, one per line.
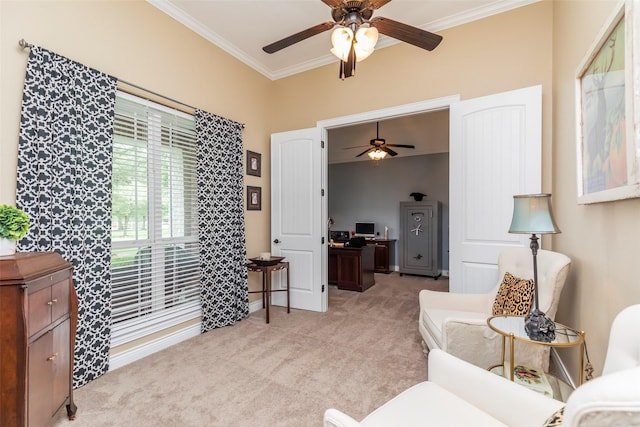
[276, 241]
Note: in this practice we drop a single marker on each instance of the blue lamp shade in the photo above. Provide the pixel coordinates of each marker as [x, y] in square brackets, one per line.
[532, 214]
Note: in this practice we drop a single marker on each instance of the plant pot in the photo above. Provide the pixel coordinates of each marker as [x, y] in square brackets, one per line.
[7, 247]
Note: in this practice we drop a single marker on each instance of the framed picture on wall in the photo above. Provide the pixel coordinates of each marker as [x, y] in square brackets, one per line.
[254, 163]
[608, 113]
[254, 198]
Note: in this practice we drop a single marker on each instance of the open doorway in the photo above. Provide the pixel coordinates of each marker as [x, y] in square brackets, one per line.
[362, 190]
[495, 152]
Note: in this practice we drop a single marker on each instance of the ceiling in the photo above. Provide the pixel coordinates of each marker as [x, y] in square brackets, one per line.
[242, 27]
[429, 132]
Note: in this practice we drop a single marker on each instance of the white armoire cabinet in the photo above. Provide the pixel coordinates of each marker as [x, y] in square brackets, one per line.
[420, 243]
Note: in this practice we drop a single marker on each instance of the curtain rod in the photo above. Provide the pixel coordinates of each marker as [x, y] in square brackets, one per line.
[26, 45]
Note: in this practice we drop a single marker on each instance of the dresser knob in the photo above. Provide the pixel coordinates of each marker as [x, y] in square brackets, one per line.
[53, 301]
[52, 357]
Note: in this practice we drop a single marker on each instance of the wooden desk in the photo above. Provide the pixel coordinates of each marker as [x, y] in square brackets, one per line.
[352, 268]
[384, 254]
[266, 283]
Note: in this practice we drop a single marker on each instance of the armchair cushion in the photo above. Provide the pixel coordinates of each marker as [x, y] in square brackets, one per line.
[514, 296]
[434, 319]
[437, 406]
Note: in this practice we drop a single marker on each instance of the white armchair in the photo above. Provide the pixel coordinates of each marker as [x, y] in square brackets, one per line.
[614, 398]
[461, 394]
[457, 322]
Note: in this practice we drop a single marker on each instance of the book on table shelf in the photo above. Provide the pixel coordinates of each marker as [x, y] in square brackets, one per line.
[532, 378]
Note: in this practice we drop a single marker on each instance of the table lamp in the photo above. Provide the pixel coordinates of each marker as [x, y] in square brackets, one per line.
[532, 214]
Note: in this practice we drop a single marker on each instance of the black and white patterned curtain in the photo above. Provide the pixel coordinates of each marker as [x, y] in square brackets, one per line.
[224, 287]
[64, 185]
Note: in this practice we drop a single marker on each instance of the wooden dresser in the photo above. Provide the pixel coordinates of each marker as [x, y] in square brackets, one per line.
[38, 319]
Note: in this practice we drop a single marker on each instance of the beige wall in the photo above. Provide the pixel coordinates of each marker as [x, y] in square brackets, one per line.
[135, 42]
[538, 44]
[601, 239]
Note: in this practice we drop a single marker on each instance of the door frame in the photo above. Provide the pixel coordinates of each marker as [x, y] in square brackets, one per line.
[365, 117]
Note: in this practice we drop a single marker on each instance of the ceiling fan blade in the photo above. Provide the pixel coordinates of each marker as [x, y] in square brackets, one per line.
[298, 37]
[364, 152]
[401, 145]
[377, 4]
[355, 146]
[388, 150]
[332, 3]
[406, 33]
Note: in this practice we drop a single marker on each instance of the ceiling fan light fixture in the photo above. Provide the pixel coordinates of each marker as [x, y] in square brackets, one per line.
[341, 39]
[377, 154]
[366, 39]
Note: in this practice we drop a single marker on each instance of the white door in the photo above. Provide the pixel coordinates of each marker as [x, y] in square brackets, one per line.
[296, 216]
[495, 153]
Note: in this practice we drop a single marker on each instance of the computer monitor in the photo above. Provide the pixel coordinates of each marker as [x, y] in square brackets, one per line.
[365, 229]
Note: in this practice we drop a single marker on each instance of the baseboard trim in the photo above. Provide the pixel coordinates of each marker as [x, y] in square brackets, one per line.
[136, 353]
[255, 306]
[445, 273]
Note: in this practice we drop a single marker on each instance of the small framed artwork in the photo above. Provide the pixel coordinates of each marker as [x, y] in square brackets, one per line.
[254, 198]
[607, 111]
[254, 163]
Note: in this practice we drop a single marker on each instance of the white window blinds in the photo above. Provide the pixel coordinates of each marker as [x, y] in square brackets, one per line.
[154, 260]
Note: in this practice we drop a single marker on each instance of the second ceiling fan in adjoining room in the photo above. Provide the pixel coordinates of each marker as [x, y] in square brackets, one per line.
[378, 147]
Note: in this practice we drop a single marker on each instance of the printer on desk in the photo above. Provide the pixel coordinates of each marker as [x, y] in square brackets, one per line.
[339, 236]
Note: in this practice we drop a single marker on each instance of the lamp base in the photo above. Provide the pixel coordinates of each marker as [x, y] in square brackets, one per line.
[539, 327]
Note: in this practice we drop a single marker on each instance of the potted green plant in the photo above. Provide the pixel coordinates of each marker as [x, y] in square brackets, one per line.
[14, 224]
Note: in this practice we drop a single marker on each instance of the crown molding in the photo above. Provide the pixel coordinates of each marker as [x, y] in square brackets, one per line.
[196, 26]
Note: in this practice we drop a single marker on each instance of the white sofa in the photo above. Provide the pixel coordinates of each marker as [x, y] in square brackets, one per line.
[457, 322]
[461, 394]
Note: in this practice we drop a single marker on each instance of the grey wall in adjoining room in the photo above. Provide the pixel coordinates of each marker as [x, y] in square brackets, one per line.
[372, 191]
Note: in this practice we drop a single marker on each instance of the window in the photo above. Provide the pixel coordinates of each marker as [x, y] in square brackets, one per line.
[155, 251]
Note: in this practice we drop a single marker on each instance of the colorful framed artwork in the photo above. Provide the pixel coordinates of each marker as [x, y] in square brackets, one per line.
[254, 198]
[254, 163]
[607, 112]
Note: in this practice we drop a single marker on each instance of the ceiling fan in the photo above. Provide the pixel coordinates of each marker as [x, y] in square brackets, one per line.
[356, 33]
[378, 147]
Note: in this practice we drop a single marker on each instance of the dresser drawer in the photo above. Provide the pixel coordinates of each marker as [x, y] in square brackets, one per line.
[39, 310]
[48, 305]
[60, 300]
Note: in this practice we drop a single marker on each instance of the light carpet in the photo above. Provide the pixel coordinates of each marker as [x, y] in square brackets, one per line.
[363, 351]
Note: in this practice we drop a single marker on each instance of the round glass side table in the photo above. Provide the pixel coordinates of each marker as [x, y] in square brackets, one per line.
[512, 327]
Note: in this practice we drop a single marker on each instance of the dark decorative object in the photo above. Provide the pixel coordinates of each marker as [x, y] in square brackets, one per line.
[539, 327]
[254, 198]
[532, 214]
[417, 196]
[271, 261]
[254, 163]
